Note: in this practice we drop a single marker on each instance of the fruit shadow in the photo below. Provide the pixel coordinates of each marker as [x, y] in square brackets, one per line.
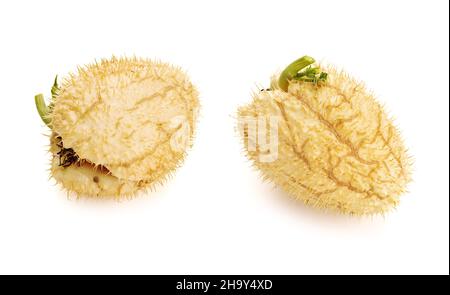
[299, 210]
[138, 201]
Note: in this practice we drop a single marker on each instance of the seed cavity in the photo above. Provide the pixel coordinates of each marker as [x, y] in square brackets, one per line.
[66, 156]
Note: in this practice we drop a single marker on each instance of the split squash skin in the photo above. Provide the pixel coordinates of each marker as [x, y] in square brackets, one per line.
[119, 126]
[337, 148]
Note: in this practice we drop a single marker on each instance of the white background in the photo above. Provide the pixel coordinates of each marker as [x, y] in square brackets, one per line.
[216, 216]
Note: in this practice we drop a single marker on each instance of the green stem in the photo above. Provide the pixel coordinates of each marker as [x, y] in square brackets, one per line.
[291, 70]
[42, 108]
[55, 87]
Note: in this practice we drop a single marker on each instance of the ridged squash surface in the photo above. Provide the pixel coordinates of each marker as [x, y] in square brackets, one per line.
[125, 114]
[337, 150]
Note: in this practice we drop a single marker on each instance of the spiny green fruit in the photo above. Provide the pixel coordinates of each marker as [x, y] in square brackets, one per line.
[336, 148]
[119, 126]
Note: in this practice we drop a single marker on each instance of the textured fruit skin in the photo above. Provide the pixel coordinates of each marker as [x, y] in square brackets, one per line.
[122, 114]
[85, 179]
[338, 149]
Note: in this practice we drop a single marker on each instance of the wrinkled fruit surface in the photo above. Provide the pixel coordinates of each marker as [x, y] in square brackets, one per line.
[129, 121]
[337, 148]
